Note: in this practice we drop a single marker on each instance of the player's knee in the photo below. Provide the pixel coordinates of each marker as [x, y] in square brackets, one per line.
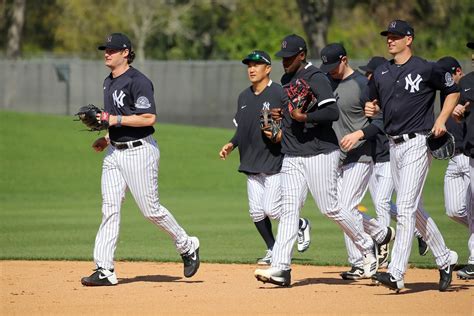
[257, 215]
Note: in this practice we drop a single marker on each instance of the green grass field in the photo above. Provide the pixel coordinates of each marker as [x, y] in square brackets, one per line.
[50, 198]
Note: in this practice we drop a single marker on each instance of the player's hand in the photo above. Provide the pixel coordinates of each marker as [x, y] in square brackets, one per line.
[298, 115]
[439, 129]
[372, 108]
[458, 112]
[349, 140]
[100, 144]
[226, 150]
[277, 114]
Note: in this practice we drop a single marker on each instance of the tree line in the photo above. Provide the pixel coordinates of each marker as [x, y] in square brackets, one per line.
[228, 29]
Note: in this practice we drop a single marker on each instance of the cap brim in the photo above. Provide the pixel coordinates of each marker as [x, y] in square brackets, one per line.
[385, 33]
[104, 47]
[470, 45]
[328, 67]
[365, 68]
[284, 54]
[247, 61]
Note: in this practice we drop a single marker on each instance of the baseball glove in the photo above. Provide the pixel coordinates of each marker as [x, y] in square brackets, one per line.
[270, 125]
[93, 117]
[442, 147]
[300, 96]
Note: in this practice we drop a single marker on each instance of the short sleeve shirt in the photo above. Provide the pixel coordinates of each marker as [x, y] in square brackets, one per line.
[128, 94]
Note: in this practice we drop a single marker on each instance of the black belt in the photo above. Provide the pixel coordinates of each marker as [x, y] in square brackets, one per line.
[126, 145]
[458, 151]
[400, 139]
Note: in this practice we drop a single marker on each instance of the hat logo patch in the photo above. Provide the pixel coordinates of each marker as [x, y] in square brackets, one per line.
[109, 39]
[324, 59]
[284, 44]
[393, 24]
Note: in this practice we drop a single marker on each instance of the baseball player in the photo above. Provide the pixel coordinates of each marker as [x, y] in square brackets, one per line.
[456, 180]
[260, 157]
[466, 85]
[311, 157]
[352, 130]
[404, 89]
[381, 185]
[131, 161]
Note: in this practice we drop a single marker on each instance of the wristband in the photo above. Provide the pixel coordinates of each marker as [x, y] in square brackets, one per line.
[119, 120]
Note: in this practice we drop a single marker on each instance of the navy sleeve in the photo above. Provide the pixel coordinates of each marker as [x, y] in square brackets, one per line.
[235, 138]
[372, 92]
[142, 93]
[322, 89]
[442, 80]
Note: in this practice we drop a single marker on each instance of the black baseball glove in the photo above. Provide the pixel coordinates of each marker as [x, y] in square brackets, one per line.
[93, 117]
[300, 96]
[271, 125]
[442, 147]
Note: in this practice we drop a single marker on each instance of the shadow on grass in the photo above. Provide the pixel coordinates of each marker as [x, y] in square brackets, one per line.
[155, 278]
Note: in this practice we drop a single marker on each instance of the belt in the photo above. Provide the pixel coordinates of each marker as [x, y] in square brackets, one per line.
[402, 138]
[458, 151]
[127, 145]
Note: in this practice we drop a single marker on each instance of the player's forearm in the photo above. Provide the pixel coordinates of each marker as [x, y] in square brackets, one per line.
[448, 106]
[142, 120]
[329, 113]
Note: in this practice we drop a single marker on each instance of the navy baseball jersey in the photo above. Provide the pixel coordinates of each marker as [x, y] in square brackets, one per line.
[406, 94]
[316, 136]
[466, 85]
[458, 130]
[257, 153]
[128, 94]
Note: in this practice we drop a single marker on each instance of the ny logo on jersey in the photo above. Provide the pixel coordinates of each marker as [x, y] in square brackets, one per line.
[414, 85]
[118, 98]
[266, 106]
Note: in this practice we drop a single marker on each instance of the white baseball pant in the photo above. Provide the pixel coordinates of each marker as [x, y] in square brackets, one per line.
[135, 169]
[457, 195]
[409, 163]
[318, 174]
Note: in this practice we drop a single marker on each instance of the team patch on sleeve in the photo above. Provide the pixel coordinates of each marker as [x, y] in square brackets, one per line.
[142, 103]
[448, 80]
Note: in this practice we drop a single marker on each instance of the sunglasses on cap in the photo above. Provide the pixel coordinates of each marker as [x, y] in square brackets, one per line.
[256, 57]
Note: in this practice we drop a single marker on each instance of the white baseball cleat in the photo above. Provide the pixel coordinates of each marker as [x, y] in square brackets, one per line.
[304, 236]
[274, 276]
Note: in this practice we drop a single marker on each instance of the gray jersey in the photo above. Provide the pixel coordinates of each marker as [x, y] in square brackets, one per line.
[350, 98]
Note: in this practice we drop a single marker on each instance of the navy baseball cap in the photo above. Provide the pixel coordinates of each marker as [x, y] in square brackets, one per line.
[399, 27]
[116, 41]
[258, 56]
[470, 45]
[449, 64]
[291, 45]
[331, 56]
[373, 63]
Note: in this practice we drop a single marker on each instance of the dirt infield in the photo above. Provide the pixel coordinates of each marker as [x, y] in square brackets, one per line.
[52, 287]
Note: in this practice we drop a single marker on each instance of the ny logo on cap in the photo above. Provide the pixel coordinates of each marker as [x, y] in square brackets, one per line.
[283, 44]
[109, 39]
[393, 24]
[324, 59]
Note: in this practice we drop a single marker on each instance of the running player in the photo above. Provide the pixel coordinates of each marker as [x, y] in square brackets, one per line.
[466, 85]
[260, 157]
[131, 162]
[311, 157]
[404, 89]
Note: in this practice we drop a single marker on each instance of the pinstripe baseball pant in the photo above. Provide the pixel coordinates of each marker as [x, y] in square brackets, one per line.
[409, 162]
[318, 174]
[135, 169]
[352, 184]
[457, 195]
[471, 213]
[264, 194]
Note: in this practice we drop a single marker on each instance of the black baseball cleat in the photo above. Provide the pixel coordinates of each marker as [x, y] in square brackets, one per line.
[389, 236]
[466, 273]
[274, 276]
[191, 258]
[101, 277]
[422, 247]
[355, 273]
[446, 274]
[387, 280]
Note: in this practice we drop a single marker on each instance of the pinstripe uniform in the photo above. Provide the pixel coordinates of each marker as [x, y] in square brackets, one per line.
[406, 94]
[132, 161]
[311, 158]
[466, 85]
